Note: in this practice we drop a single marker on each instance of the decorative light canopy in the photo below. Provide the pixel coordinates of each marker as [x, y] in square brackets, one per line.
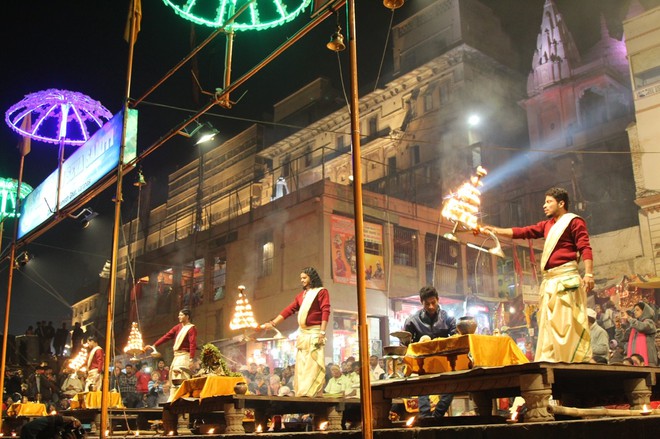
[243, 315]
[134, 345]
[8, 188]
[260, 15]
[58, 116]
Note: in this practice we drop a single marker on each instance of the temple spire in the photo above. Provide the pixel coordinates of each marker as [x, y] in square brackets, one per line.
[556, 54]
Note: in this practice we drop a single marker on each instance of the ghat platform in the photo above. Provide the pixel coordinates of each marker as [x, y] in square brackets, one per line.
[576, 384]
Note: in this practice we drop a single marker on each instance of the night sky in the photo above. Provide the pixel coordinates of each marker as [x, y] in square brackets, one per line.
[78, 45]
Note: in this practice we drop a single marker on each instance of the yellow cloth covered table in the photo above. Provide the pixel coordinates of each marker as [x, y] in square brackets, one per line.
[205, 387]
[27, 409]
[93, 400]
[465, 351]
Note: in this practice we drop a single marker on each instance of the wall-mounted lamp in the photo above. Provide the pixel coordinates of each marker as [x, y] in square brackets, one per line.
[199, 132]
[85, 216]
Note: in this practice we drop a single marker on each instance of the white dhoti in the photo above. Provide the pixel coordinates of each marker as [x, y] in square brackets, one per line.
[562, 317]
[309, 378]
[179, 370]
[93, 381]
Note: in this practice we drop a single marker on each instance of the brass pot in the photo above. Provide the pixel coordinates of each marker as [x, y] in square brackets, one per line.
[466, 325]
[240, 388]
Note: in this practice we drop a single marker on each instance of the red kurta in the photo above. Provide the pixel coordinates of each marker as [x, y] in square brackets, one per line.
[189, 342]
[318, 312]
[97, 360]
[574, 239]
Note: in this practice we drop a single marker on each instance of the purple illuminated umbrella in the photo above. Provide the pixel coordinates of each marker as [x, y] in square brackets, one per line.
[58, 116]
[61, 117]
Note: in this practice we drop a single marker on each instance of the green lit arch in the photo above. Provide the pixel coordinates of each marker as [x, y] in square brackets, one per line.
[260, 15]
[8, 189]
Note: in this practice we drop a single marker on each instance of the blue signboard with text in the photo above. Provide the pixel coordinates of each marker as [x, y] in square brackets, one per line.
[90, 163]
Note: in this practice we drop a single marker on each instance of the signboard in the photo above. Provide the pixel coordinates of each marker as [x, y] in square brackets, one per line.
[90, 163]
[8, 188]
[342, 233]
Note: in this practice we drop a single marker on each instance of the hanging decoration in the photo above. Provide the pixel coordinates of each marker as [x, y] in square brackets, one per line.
[134, 346]
[260, 14]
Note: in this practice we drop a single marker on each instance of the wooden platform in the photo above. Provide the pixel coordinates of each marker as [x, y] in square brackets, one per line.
[233, 408]
[576, 384]
[123, 420]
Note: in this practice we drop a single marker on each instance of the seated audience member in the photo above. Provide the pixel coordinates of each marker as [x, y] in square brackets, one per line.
[339, 384]
[599, 340]
[637, 360]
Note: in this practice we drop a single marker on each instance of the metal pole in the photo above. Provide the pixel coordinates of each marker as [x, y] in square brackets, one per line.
[363, 329]
[105, 396]
[10, 278]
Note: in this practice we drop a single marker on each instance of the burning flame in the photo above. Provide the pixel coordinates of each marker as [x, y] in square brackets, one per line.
[410, 422]
[514, 415]
[323, 425]
[171, 433]
[259, 428]
[53, 413]
[211, 431]
[646, 410]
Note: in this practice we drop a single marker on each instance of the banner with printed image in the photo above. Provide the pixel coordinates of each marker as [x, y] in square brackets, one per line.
[342, 235]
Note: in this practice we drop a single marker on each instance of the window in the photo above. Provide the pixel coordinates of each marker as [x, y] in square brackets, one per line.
[444, 92]
[405, 247]
[340, 142]
[219, 277]
[192, 282]
[645, 68]
[373, 126]
[391, 165]
[286, 166]
[266, 250]
[308, 156]
[428, 102]
[444, 268]
[415, 158]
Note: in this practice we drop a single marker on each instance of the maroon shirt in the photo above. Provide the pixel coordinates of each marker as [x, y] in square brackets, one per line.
[318, 312]
[189, 343]
[574, 239]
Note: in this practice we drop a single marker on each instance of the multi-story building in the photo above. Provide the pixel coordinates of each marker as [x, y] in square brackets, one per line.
[643, 42]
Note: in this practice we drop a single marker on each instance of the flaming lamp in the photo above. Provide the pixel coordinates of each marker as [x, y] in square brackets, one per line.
[462, 209]
[80, 362]
[243, 316]
[134, 345]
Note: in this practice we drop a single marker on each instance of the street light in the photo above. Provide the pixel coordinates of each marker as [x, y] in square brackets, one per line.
[200, 133]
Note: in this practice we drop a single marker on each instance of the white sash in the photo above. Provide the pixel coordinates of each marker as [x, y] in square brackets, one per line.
[90, 357]
[308, 299]
[181, 336]
[553, 236]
